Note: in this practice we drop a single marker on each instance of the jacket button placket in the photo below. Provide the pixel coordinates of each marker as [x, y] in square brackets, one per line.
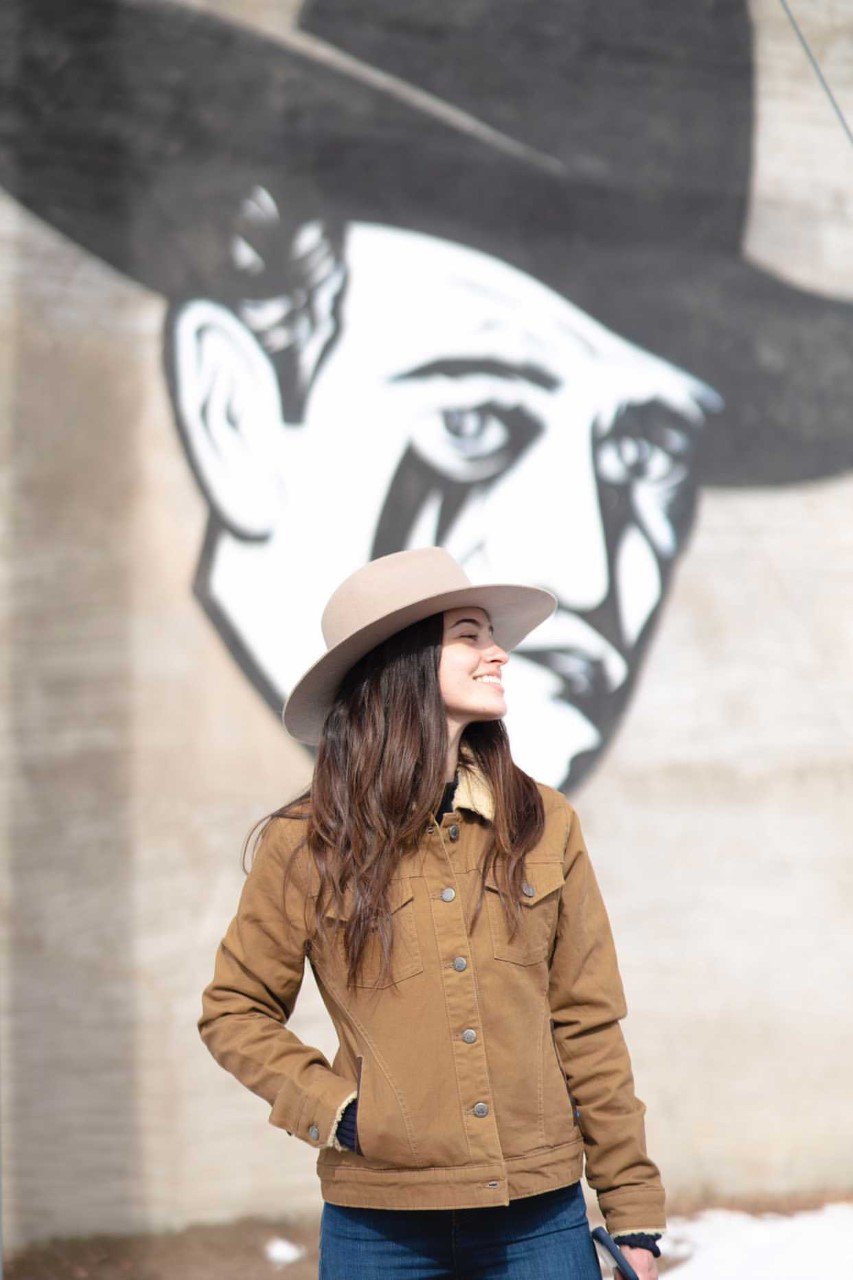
[469, 1053]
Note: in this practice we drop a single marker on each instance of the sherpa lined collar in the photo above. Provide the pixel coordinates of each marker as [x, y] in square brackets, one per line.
[474, 791]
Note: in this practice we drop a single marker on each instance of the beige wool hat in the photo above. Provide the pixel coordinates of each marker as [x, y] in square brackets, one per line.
[388, 594]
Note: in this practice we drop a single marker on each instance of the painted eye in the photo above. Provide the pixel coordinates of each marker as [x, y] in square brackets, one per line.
[475, 432]
[647, 443]
[632, 458]
[474, 443]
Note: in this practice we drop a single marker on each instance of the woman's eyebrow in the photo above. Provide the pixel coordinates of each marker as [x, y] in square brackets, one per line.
[475, 621]
[464, 367]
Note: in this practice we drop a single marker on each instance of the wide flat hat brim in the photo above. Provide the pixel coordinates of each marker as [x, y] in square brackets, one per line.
[514, 611]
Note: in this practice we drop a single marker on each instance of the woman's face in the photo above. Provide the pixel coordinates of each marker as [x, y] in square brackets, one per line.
[471, 668]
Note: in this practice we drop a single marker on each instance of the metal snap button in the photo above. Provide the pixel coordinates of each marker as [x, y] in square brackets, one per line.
[469, 1035]
[529, 889]
[313, 1132]
[453, 832]
[460, 963]
[448, 894]
[481, 1108]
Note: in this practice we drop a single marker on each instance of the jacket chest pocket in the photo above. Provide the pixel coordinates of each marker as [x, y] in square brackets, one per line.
[540, 904]
[405, 960]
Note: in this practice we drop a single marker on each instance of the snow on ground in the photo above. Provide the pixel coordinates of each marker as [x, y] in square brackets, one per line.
[280, 1252]
[721, 1244]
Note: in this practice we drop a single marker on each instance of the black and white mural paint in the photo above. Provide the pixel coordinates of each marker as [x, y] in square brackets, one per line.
[488, 421]
[450, 274]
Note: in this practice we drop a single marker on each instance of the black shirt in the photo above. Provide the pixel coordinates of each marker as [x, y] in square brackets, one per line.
[447, 799]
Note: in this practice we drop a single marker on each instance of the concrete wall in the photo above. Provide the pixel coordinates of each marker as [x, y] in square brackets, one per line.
[138, 754]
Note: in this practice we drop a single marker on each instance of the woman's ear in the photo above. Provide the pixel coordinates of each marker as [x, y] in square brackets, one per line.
[228, 409]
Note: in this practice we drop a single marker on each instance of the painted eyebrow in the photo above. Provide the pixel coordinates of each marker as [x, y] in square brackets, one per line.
[476, 622]
[461, 368]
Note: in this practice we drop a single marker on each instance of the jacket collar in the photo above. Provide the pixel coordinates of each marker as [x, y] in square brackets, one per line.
[473, 791]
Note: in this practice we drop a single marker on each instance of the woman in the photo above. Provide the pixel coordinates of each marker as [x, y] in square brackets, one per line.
[459, 940]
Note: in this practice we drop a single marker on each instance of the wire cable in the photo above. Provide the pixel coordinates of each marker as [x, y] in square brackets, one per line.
[804, 42]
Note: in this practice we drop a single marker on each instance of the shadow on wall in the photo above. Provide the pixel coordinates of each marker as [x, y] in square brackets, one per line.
[71, 1051]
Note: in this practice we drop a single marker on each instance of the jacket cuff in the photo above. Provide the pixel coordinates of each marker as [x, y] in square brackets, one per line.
[632, 1208]
[333, 1139]
[641, 1240]
[312, 1115]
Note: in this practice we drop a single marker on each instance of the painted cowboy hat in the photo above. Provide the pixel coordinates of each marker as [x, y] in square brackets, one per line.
[604, 150]
[384, 596]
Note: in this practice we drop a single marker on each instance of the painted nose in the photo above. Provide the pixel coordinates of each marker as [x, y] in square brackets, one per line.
[546, 513]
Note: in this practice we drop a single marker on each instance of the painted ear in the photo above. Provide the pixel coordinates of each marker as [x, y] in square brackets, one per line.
[288, 280]
[228, 409]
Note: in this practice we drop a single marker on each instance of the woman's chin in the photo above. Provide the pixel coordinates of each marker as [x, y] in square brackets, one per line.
[494, 707]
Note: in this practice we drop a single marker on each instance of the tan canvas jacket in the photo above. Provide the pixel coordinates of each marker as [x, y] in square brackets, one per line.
[486, 1069]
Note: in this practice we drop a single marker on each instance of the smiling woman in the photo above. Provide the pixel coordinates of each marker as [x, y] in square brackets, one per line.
[469, 674]
[462, 948]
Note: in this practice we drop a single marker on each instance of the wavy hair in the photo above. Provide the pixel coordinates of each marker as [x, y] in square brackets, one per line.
[377, 783]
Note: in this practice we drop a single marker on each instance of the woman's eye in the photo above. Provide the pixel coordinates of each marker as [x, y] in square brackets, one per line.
[473, 443]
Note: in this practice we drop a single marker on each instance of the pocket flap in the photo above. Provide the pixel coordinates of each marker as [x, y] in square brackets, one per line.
[400, 892]
[541, 879]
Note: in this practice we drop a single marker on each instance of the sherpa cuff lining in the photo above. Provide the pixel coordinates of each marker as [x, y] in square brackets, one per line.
[333, 1140]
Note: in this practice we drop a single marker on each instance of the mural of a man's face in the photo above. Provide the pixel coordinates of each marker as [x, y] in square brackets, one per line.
[452, 401]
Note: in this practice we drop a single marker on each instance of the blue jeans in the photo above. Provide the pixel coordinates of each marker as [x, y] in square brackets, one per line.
[541, 1237]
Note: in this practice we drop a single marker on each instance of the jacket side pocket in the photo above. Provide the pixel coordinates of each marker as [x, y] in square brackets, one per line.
[384, 1135]
[574, 1112]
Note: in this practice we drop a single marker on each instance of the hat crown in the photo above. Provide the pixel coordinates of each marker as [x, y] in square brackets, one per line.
[388, 583]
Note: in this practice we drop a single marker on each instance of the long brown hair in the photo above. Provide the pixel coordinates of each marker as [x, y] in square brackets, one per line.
[379, 778]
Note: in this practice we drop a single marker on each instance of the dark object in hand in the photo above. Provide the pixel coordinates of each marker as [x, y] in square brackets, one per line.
[611, 1251]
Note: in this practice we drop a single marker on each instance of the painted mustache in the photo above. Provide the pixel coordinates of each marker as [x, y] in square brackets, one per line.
[575, 650]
